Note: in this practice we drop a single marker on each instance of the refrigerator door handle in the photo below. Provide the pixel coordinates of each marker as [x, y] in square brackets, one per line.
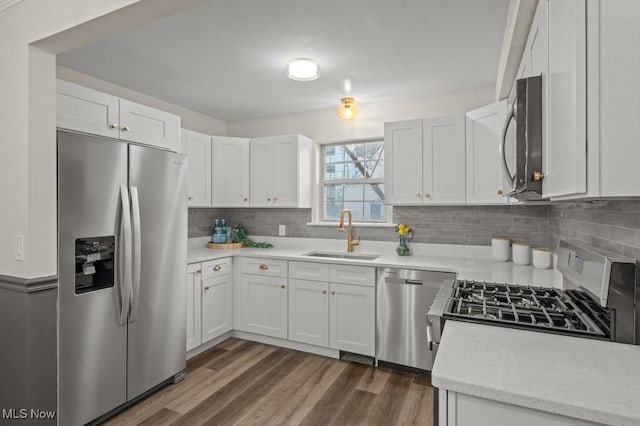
[137, 251]
[125, 255]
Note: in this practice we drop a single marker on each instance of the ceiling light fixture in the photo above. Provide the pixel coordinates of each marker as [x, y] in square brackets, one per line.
[347, 110]
[303, 69]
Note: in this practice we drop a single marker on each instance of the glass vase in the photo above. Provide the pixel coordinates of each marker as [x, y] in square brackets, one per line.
[403, 246]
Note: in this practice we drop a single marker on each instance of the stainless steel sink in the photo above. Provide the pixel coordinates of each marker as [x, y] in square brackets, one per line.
[333, 255]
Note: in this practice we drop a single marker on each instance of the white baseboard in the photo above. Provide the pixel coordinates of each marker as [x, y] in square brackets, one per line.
[209, 345]
[303, 347]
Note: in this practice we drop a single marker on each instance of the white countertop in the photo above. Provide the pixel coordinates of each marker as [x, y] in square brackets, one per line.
[469, 262]
[583, 378]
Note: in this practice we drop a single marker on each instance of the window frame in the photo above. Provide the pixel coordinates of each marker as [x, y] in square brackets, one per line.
[317, 213]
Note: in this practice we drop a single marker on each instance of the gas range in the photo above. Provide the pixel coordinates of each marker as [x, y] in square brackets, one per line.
[538, 308]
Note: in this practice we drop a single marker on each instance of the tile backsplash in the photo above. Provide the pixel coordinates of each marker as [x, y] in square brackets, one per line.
[612, 225]
[473, 225]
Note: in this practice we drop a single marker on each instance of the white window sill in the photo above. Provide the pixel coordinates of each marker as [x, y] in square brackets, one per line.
[359, 224]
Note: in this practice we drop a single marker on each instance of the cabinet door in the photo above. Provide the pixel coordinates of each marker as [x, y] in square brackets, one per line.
[194, 316]
[86, 110]
[149, 126]
[403, 162]
[443, 169]
[352, 318]
[230, 172]
[285, 171]
[261, 176]
[217, 299]
[309, 312]
[264, 305]
[566, 161]
[484, 168]
[198, 150]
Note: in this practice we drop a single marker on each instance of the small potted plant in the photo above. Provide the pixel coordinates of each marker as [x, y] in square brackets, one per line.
[405, 234]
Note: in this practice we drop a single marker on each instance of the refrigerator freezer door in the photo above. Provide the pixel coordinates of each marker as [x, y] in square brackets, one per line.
[157, 324]
[92, 345]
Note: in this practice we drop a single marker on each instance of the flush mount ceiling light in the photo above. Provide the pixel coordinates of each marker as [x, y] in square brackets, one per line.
[303, 69]
[347, 110]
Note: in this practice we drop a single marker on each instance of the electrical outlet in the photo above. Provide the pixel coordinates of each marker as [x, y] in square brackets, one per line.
[20, 248]
[282, 230]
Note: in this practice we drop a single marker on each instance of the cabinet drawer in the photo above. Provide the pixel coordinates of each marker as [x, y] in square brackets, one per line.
[309, 271]
[268, 267]
[358, 275]
[216, 267]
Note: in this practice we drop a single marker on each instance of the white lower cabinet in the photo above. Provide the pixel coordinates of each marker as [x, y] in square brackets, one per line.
[262, 297]
[467, 410]
[330, 314]
[209, 301]
[217, 299]
[194, 337]
[309, 312]
[352, 318]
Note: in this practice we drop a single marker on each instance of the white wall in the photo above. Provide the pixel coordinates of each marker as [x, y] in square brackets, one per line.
[27, 113]
[325, 126]
[191, 120]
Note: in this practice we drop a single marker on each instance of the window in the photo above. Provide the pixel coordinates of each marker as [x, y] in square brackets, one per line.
[352, 177]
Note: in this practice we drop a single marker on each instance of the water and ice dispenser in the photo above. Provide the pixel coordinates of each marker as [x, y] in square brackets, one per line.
[95, 263]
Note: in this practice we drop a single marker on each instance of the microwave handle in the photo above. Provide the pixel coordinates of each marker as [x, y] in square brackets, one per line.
[511, 179]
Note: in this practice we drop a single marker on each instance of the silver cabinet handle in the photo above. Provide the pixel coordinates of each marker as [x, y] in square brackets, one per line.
[113, 125]
[430, 336]
[125, 129]
[217, 268]
[263, 267]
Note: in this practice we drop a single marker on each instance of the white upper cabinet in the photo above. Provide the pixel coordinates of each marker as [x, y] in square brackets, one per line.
[589, 78]
[565, 172]
[484, 171]
[443, 152]
[425, 161]
[403, 162]
[230, 172]
[280, 171]
[87, 110]
[149, 126]
[198, 151]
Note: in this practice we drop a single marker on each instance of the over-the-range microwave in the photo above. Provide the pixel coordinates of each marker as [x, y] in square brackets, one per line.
[526, 181]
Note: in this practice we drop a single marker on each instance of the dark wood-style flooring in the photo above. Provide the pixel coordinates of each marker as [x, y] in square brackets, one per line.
[247, 383]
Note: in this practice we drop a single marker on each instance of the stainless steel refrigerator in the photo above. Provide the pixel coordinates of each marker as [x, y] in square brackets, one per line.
[122, 254]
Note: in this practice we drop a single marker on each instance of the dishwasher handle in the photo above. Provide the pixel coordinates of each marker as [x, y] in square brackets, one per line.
[390, 280]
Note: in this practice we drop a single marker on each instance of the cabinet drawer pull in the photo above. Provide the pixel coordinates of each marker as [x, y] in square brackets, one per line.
[217, 268]
[499, 192]
[190, 197]
[333, 292]
[427, 194]
[245, 199]
[282, 286]
[199, 271]
[207, 288]
[125, 129]
[324, 291]
[113, 126]
[268, 199]
[275, 199]
[263, 267]
[417, 195]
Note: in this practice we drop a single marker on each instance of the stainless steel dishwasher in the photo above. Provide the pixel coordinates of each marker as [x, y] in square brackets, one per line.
[403, 299]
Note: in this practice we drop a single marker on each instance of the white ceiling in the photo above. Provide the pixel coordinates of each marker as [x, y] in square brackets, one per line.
[227, 58]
